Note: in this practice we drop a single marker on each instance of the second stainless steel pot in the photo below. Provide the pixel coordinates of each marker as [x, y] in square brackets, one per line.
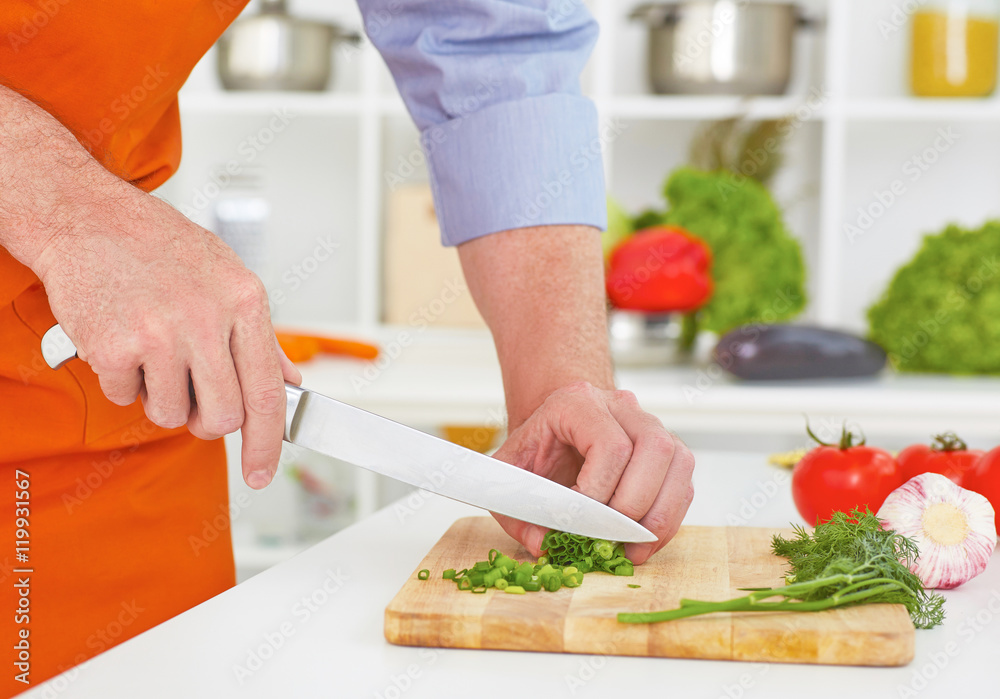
[275, 51]
[721, 46]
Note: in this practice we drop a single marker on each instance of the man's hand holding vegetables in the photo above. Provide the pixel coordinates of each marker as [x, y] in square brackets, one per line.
[152, 300]
[566, 421]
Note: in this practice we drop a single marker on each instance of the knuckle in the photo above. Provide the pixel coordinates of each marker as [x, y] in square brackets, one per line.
[683, 455]
[657, 521]
[266, 396]
[224, 423]
[166, 418]
[251, 296]
[120, 397]
[632, 510]
[626, 399]
[156, 332]
[578, 388]
[662, 443]
[620, 450]
[596, 486]
[112, 360]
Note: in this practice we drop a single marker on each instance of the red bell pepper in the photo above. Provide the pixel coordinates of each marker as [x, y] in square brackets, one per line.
[660, 270]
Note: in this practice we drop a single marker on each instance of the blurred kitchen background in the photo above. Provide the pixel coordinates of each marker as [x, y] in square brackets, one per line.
[324, 193]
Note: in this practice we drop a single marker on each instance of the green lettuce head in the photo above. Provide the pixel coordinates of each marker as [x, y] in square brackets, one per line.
[757, 264]
[941, 311]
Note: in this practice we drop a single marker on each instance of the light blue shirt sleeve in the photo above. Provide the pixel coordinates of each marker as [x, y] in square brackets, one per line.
[493, 86]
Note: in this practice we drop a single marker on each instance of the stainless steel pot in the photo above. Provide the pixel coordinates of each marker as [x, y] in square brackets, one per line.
[712, 47]
[275, 51]
[642, 339]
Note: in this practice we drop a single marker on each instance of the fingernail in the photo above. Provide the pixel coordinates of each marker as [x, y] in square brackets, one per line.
[537, 537]
[258, 479]
[638, 552]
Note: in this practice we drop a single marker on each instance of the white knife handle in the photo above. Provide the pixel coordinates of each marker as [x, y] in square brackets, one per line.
[57, 348]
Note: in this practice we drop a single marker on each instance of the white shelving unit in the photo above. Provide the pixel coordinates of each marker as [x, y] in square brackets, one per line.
[848, 93]
[668, 108]
[327, 172]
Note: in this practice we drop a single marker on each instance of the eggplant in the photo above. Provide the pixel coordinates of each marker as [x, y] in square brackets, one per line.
[784, 352]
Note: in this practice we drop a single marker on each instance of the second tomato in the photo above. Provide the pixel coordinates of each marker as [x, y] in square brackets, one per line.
[948, 455]
[985, 480]
[840, 477]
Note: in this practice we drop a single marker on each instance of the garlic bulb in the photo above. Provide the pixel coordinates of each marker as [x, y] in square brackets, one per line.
[953, 528]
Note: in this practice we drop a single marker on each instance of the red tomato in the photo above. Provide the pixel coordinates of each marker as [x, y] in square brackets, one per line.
[984, 479]
[947, 456]
[839, 478]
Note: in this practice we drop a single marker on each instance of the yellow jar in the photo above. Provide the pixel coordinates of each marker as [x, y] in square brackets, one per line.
[954, 52]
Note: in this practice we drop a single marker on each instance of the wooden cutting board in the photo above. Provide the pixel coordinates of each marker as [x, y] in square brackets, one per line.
[707, 563]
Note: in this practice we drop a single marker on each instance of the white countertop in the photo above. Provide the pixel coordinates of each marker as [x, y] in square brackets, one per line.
[436, 377]
[333, 646]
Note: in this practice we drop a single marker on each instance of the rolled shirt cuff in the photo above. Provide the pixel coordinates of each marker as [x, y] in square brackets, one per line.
[528, 162]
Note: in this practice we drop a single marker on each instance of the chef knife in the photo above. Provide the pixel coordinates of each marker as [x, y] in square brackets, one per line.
[378, 444]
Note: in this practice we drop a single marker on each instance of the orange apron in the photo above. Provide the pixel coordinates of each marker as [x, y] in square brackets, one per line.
[109, 525]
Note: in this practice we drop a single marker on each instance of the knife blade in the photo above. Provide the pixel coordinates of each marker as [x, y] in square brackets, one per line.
[373, 442]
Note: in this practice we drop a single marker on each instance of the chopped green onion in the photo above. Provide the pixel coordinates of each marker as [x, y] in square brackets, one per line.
[565, 560]
[507, 562]
[634, 586]
[604, 549]
[552, 582]
[424, 574]
[491, 577]
[625, 569]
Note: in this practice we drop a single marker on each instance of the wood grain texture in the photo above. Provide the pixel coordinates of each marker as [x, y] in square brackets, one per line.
[708, 563]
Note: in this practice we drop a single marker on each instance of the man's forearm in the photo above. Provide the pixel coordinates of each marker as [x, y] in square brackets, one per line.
[541, 291]
[44, 173]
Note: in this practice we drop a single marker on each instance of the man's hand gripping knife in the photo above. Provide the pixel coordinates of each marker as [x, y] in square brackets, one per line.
[159, 307]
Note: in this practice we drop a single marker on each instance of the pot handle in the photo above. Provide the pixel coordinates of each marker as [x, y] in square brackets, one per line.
[654, 13]
[338, 33]
[804, 21]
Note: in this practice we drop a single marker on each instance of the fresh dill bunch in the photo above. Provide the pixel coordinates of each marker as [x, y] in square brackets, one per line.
[856, 544]
[846, 561]
[855, 536]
